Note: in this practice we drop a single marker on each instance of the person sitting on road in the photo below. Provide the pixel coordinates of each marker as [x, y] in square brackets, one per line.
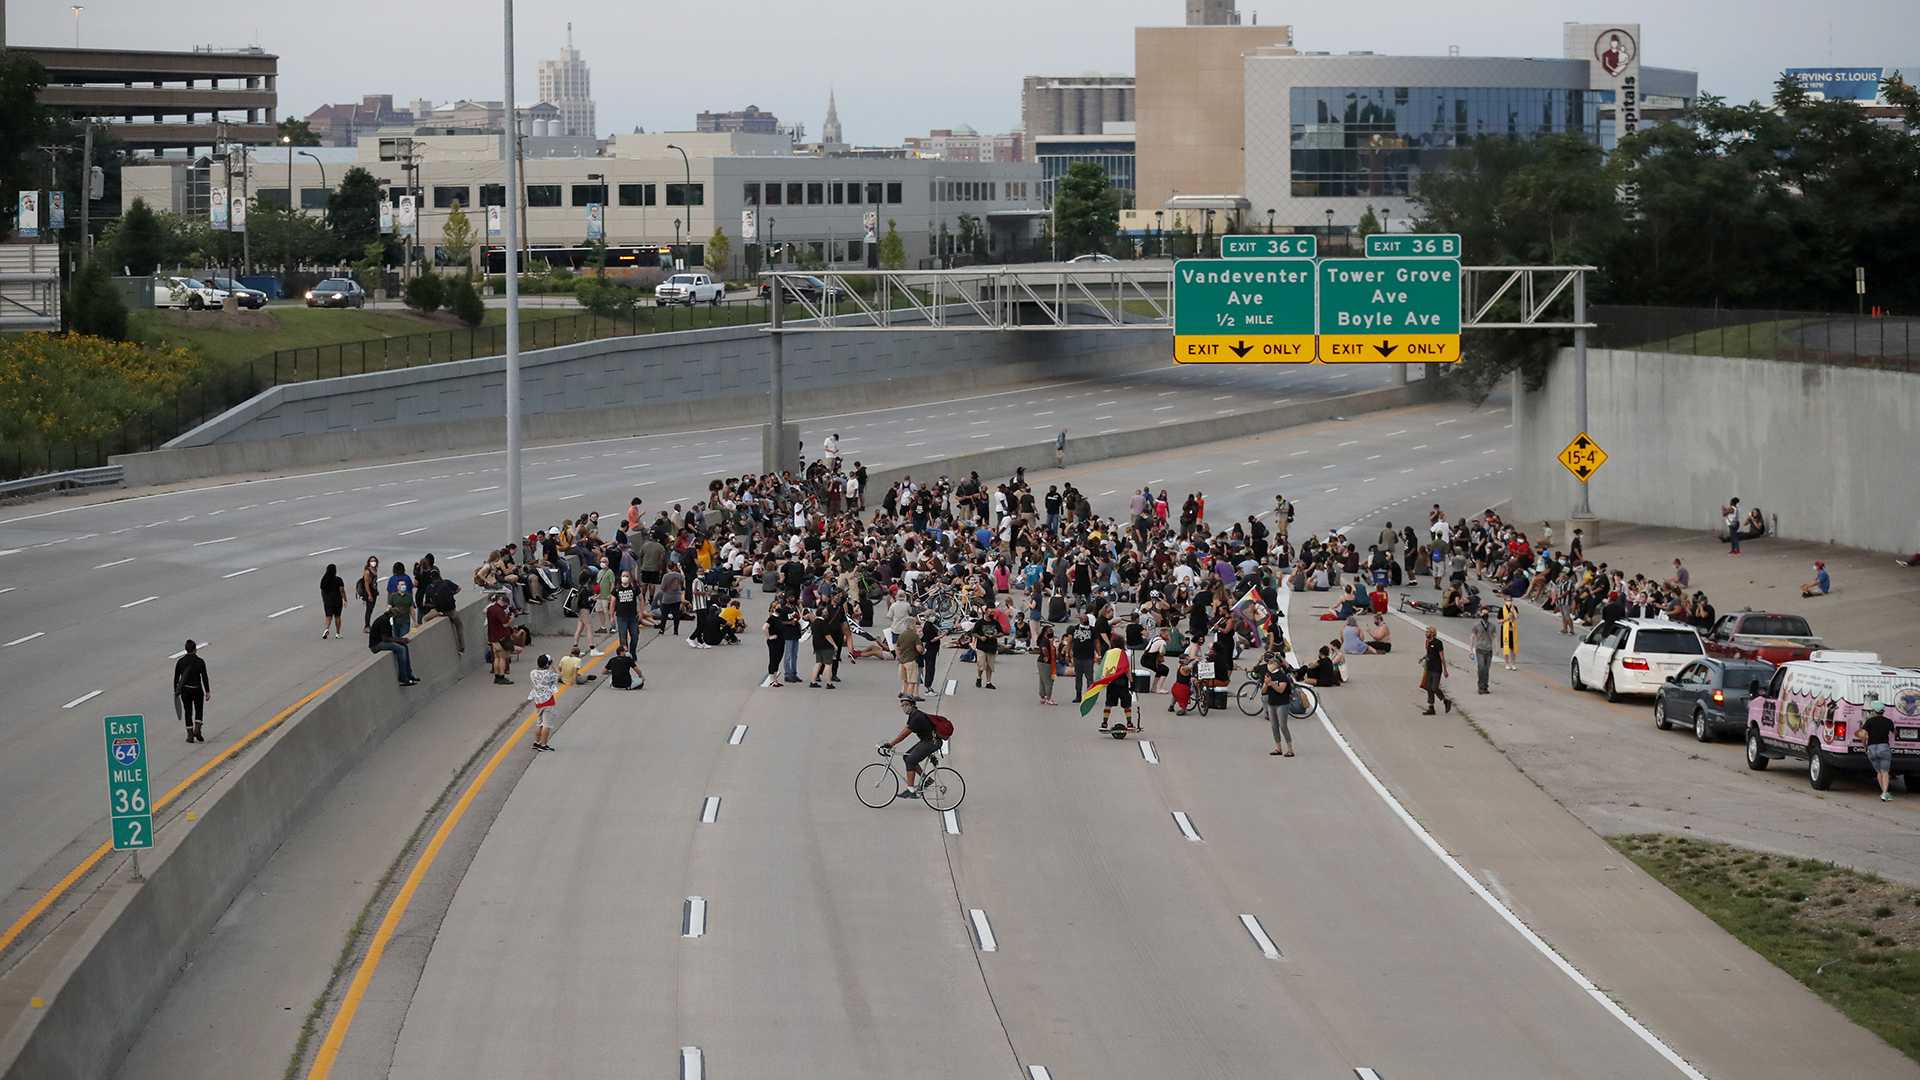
[1821, 584]
[919, 725]
[1352, 640]
[1379, 637]
[1324, 671]
[622, 672]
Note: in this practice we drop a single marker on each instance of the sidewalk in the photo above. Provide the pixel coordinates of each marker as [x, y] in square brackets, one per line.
[1653, 953]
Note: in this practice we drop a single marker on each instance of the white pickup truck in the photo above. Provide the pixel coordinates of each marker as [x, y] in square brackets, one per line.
[689, 288]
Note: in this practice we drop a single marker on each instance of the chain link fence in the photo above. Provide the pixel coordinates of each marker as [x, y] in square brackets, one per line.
[1850, 339]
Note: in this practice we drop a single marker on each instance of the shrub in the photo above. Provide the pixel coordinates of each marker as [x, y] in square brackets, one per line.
[94, 305]
[72, 387]
[464, 301]
[426, 292]
[605, 299]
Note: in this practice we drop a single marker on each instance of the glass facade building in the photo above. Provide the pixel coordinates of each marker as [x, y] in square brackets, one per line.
[1114, 156]
[1346, 142]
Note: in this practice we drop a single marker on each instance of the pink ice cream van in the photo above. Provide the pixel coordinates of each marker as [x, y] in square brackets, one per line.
[1812, 709]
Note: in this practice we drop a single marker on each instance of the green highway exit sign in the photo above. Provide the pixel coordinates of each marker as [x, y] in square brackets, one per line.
[128, 802]
[1243, 311]
[1270, 246]
[1389, 311]
[1413, 246]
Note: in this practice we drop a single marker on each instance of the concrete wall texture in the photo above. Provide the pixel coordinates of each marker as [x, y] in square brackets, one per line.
[1826, 449]
[622, 385]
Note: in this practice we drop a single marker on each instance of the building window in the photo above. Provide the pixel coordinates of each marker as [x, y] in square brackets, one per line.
[445, 197]
[751, 193]
[637, 194]
[816, 194]
[819, 250]
[686, 194]
[852, 193]
[856, 250]
[796, 194]
[873, 193]
[541, 196]
[893, 193]
[493, 194]
[271, 197]
[587, 194]
[773, 190]
[314, 198]
[834, 192]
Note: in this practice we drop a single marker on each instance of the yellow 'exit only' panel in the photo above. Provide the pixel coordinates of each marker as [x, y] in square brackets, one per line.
[1389, 348]
[1243, 348]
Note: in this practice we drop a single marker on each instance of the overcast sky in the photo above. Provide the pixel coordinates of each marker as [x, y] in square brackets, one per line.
[901, 68]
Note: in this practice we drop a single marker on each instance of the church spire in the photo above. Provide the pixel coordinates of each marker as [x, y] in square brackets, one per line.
[830, 130]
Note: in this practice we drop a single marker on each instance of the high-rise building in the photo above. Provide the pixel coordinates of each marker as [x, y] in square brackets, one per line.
[749, 119]
[568, 85]
[1074, 104]
[1212, 13]
[830, 135]
[963, 143]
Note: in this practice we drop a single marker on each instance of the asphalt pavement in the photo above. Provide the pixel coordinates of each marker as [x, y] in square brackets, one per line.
[97, 597]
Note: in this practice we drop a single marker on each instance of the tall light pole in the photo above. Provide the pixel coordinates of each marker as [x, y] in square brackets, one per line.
[77, 9]
[510, 145]
[1269, 221]
[686, 202]
[328, 212]
[287, 140]
[1329, 230]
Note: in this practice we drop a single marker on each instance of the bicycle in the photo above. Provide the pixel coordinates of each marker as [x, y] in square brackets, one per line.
[1252, 699]
[940, 603]
[879, 783]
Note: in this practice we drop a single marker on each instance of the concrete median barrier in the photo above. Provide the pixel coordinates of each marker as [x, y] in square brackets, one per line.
[114, 972]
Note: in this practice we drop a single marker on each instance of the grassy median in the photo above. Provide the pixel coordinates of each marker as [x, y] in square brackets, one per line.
[1852, 938]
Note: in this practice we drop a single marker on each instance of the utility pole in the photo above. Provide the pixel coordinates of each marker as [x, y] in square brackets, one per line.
[246, 200]
[86, 193]
[520, 189]
[515, 526]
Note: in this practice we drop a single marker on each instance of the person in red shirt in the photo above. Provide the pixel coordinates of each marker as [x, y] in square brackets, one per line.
[499, 637]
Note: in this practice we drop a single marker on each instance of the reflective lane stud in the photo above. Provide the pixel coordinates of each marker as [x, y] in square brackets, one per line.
[128, 802]
[1395, 311]
[1243, 311]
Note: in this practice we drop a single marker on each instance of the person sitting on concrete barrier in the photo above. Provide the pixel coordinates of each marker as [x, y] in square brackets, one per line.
[381, 638]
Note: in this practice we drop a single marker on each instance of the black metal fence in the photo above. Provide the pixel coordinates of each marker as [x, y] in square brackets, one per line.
[1850, 339]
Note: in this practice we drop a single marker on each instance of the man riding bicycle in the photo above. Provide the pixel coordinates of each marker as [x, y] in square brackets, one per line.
[919, 724]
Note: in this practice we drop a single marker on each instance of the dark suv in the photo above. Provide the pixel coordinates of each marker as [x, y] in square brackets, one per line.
[1710, 695]
[337, 292]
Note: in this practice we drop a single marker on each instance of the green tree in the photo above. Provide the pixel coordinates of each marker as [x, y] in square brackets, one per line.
[353, 210]
[426, 292]
[24, 123]
[140, 243]
[287, 237]
[718, 248]
[464, 301]
[972, 238]
[456, 239]
[893, 250]
[1369, 224]
[94, 305]
[368, 269]
[1086, 211]
[299, 131]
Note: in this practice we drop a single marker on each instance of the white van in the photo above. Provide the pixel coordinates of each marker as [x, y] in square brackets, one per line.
[1811, 709]
[1634, 656]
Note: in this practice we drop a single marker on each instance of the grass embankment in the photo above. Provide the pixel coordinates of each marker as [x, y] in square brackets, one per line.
[1759, 340]
[241, 336]
[1852, 938]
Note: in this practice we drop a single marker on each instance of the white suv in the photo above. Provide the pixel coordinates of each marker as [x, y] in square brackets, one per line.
[1634, 656]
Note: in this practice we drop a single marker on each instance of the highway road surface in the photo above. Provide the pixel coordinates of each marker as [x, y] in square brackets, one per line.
[96, 599]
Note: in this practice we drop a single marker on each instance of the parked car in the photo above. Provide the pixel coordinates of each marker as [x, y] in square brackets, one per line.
[1710, 694]
[809, 286]
[1813, 709]
[689, 288]
[1762, 635]
[1634, 656]
[186, 292]
[1093, 257]
[247, 298]
[337, 292]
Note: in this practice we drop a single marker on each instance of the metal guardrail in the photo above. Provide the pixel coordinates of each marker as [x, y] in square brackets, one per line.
[104, 476]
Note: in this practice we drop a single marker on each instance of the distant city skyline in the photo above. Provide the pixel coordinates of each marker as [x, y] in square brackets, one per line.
[913, 70]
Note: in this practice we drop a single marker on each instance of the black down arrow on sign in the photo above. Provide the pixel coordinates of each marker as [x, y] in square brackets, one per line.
[1384, 349]
[1240, 349]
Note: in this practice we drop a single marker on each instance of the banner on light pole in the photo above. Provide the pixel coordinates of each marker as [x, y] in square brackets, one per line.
[56, 210]
[749, 226]
[28, 223]
[217, 209]
[596, 221]
[493, 222]
[408, 218]
[238, 216]
[386, 217]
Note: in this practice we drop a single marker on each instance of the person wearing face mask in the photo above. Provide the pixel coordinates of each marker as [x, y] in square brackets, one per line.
[626, 611]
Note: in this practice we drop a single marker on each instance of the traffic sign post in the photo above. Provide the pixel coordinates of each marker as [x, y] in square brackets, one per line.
[128, 802]
[1275, 246]
[1413, 246]
[1389, 310]
[1582, 457]
[1243, 311]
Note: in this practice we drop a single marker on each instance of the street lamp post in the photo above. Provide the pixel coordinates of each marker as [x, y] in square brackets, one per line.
[288, 141]
[1159, 233]
[686, 201]
[1329, 230]
[773, 249]
[1269, 221]
[77, 9]
[510, 144]
[1386, 218]
[328, 212]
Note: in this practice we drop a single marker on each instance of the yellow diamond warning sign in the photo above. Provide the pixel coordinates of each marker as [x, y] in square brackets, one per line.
[1243, 348]
[1583, 457]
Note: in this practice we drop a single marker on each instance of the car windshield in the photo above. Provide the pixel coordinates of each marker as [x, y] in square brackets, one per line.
[684, 279]
[192, 283]
[1677, 642]
[1776, 626]
[335, 285]
[1739, 675]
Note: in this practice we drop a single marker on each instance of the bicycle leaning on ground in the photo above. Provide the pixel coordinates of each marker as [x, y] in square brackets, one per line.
[879, 783]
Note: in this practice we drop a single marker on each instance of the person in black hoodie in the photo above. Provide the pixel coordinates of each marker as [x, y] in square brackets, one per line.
[192, 689]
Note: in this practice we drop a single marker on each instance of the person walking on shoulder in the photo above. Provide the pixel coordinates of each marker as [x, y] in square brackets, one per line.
[333, 601]
[192, 690]
[546, 685]
[1482, 641]
[1434, 670]
[1510, 635]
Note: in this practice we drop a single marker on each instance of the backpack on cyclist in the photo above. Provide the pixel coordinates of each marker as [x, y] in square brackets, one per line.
[942, 727]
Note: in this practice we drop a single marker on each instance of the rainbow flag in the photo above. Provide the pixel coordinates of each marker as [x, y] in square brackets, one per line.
[1114, 666]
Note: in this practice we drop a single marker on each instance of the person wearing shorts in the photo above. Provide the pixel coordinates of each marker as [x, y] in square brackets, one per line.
[546, 685]
[1877, 730]
[1119, 692]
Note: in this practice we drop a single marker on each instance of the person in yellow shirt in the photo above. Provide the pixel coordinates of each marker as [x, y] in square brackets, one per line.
[570, 669]
[734, 621]
[1510, 635]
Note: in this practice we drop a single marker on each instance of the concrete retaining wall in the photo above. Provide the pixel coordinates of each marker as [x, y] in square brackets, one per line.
[994, 464]
[1827, 449]
[116, 971]
[656, 382]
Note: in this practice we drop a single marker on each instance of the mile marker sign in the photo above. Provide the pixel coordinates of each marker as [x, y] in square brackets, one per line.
[1243, 311]
[128, 802]
[1389, 311]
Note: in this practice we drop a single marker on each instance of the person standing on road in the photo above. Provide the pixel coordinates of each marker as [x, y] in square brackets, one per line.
[1877, 732]
[1434, 670]
[1482, 641]
[1277, 684]
[192, 690]
[906, 648]
[545, 682]
[368, 588]
[400, 599]
[1730, 516]
[1046, 657]
[499, 637]
[333, 600]
[626, 611]
[1510, 634]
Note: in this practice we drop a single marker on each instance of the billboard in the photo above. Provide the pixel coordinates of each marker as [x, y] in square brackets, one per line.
[1612, 53]
[1857, 84]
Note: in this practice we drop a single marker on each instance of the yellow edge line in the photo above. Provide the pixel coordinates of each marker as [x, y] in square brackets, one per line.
[87, 864]
[330, 1047]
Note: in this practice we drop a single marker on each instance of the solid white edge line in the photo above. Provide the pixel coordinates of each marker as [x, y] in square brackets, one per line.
[693, 1065]
[1259, 934]
[1146, 752]
[1361, 1072]
[83, 699]
[710, 810]
[1540, 945]
[952, 820]
[739, 734]
[952, 685]
[983, 931]
[1187, 830]
[693, 920]
[1448, 638]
